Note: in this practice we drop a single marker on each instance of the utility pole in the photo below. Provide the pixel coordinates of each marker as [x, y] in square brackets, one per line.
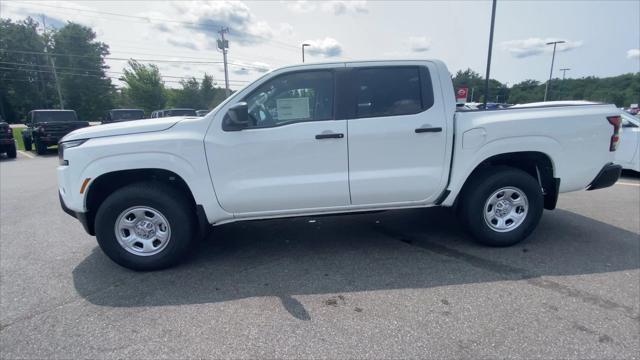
[303, 46]
[472, 90]
[52, 62]
[224, 45]
[564, 71]
[553, 58]
[486, 79]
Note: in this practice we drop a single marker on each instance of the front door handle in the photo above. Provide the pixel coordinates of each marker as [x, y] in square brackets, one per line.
[428, 129]
[330, 136]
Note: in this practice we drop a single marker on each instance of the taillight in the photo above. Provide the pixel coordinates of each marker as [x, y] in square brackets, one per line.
[9, 131]
[616, 122]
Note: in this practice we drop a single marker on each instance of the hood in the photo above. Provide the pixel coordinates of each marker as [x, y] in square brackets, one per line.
[124, 128]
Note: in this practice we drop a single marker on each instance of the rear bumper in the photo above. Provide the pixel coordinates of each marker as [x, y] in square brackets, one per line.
[82, 217]
[608, 176]
[7, 142]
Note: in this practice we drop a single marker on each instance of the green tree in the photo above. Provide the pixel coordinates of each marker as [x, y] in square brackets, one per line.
[143, 87]
[26, 82]
[80, 58]
[498, 92]
[187, 97]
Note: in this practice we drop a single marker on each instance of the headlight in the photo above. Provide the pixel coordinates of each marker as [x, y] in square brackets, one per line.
[67, 145]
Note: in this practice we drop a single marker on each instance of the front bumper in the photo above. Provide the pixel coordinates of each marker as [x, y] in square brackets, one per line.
[608, 176]
[81, 216]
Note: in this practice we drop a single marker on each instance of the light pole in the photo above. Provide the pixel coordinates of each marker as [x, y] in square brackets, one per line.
[553, 57]
[486, 79]
[303, 46]
[564, 71]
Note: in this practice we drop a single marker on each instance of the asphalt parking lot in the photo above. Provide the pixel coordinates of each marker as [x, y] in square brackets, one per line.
[401, 284]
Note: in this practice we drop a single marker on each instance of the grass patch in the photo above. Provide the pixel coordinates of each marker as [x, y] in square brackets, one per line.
[17, 134]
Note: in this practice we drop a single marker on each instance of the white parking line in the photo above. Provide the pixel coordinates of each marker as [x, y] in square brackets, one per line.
[26, 154]
[628, 184]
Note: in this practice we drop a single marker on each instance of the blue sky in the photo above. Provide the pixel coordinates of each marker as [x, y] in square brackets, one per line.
[603, 37]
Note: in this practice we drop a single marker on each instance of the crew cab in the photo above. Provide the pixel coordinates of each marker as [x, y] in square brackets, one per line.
[7, 142]
[324, 139]
[46, 127]
[173, 112]
[116, 115]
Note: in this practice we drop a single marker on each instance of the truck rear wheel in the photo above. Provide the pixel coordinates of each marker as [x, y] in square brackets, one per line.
[11, 152]
[501, 206]
[146, 226]
[41, 148]
[27, 143]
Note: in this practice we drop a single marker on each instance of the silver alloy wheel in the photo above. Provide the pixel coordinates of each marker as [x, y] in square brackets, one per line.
[506, 209]
[142, 230]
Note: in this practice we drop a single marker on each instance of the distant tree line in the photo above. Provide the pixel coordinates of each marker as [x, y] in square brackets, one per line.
[621, 90]
[27, 79]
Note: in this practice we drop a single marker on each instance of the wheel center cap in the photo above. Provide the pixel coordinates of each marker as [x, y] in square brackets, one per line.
[503, 207]
[145, 229]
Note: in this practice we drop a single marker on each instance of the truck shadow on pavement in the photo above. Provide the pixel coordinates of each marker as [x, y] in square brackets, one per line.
[333, 256]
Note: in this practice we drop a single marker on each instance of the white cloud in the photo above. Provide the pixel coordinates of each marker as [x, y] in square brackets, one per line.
[19, 11]
[337, 7]
[327, 47]
[419, 43]
[633, 54]
[242, 68]
[535, 46]
[301, 6]
[201, 21]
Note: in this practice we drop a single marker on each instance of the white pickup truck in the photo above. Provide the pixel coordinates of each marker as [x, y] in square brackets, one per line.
[330, 138]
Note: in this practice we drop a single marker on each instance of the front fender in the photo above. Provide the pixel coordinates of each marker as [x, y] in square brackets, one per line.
[196, 177]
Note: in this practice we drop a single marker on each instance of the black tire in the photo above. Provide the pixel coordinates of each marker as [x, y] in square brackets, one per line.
[27, 143]
[11, 152]
[41, 149]
[172, 204]
[482, 186]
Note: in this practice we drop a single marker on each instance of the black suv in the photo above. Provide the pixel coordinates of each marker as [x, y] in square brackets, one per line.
[117, 115]
[7, 143]
[47, 127]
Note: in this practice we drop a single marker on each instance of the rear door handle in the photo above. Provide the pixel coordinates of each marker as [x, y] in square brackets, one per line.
[330, 136]
[428, 129]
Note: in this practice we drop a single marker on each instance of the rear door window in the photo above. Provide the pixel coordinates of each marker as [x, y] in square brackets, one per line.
[392, 91]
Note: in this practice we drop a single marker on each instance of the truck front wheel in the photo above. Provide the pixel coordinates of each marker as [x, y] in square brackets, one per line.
[146, 226]
[501, 206]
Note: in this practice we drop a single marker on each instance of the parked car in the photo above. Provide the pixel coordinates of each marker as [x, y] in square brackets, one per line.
[117, 115]
[7, 142]
[202, 112]
[278, 148]
[47, 127]
[173, 112]
[628, 155]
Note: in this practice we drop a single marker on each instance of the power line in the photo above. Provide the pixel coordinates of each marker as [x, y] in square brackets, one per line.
[105, 71]
[127, 59]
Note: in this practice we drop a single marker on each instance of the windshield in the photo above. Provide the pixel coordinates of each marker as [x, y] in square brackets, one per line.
[117, 115]
[54, 116]
[180, 112]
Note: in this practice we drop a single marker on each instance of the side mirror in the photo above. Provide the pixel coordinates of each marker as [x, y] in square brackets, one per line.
[236, 118]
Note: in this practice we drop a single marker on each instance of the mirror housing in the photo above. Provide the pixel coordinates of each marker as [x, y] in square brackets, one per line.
[236, 118]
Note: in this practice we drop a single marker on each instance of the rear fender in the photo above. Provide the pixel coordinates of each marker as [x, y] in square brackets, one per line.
[467, 160]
